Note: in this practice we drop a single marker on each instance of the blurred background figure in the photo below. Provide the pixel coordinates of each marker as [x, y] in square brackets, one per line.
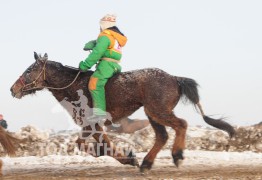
[127, 125]
[3, 122]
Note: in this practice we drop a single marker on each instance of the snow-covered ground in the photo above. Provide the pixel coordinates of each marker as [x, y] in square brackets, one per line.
[210, 153]
[192, 158]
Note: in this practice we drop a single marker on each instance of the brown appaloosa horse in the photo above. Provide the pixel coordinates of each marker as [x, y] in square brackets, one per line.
[126, 92]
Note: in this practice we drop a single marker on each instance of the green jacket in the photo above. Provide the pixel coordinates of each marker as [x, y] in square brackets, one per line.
[108, 45]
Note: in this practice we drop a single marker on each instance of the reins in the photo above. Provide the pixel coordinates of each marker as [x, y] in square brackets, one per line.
[34, 83]
[60, 88]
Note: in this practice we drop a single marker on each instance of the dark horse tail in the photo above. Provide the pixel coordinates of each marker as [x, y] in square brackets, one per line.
[188, 89]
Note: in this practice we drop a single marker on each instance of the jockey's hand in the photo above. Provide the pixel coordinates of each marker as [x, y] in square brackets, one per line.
[90, 45]
[83, 66]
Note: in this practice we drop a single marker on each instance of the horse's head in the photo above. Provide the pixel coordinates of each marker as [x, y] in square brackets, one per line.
[32, 79]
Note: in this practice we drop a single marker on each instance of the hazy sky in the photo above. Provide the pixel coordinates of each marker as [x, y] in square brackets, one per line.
[217, 43]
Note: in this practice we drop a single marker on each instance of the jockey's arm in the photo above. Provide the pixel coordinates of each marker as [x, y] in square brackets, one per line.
[90, 45]
[102, 44]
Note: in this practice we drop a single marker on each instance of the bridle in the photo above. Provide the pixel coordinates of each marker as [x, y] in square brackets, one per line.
[33, 85]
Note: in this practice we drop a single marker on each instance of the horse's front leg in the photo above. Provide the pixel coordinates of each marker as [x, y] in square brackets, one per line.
[105, 147]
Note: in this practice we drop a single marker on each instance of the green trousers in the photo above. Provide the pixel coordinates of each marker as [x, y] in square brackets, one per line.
[97, 82]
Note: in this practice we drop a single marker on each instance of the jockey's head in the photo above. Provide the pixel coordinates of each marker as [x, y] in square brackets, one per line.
[107, 21]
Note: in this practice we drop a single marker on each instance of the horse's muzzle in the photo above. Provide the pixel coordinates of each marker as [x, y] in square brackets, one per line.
[17, 95]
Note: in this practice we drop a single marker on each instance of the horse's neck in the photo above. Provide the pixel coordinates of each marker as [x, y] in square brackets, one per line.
[59, 76]
[69, 96]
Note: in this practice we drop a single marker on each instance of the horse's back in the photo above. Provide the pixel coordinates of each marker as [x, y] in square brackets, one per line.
[140, 75]
[138, 84]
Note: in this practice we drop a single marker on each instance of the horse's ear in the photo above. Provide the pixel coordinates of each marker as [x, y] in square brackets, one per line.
[45, 56]
[36, 56]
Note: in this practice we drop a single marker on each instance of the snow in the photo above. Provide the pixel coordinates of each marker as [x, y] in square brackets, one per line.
[214, 158]
[31, 159]
[57, 160]
[192, 158]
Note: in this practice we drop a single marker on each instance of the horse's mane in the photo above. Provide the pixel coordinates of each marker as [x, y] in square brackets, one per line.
[60, 66]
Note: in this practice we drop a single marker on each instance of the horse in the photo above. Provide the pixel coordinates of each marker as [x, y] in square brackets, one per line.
[154, 89]
[129, 126]
[7, 141]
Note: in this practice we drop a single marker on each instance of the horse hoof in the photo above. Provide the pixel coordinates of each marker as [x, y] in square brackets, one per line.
[178, 163]
[144, 171]
[134, 162]
[146, 166]
[178, 158]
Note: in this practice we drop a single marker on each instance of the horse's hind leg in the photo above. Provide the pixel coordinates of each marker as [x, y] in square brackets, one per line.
[160, 141]
[180, 127]
[167, 118]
